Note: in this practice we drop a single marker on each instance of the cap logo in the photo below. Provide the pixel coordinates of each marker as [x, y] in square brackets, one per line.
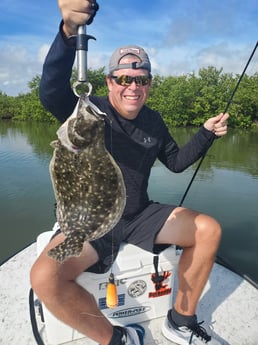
[130, 50]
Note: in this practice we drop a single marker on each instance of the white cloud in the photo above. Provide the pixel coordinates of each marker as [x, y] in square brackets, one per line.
[180, 36]
[19, 65]
[42, 53]
[232, 58]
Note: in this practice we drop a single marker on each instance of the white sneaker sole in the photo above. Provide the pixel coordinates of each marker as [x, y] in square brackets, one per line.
[173, 337]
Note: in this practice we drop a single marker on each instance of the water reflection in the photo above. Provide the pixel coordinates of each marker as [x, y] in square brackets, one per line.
[226, 187]
[35, 137]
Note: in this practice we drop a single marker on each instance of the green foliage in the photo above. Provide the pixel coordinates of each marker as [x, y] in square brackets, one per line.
[6, 104]
[25, 107]
[187, 100]
[190, 100]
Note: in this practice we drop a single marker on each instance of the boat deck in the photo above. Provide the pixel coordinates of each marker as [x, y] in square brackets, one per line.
[229, 305]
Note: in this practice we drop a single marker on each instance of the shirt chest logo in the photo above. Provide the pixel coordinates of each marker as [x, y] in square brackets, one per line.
[147, 140]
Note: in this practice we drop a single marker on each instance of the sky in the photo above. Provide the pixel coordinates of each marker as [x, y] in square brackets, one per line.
[180, 36]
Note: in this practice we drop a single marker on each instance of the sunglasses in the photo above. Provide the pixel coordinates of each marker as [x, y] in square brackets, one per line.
[126, 80]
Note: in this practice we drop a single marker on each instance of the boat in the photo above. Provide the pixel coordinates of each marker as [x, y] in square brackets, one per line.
[229, 300]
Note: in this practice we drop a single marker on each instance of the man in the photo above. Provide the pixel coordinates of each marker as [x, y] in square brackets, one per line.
[144, 223]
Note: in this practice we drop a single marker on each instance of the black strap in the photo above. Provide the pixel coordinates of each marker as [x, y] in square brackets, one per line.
[33, 320]
[156, 278]
[95, 7]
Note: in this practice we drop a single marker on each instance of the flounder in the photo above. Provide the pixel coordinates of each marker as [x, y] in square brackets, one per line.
[88, 184]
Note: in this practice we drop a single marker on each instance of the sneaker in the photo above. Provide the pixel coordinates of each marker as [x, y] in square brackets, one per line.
[133, 334]
[184, 335]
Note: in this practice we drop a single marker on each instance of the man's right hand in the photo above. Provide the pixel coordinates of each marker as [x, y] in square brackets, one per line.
[75, 13]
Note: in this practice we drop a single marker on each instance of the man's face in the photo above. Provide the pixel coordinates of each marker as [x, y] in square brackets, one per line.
[128, 99]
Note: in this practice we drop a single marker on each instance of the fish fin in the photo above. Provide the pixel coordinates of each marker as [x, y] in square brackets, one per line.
[71, 246]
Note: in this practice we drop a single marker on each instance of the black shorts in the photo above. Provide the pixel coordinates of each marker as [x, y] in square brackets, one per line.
[140, 231]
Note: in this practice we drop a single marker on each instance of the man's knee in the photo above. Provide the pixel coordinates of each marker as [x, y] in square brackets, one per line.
[48, 277]
[41, 279]
[208, 229]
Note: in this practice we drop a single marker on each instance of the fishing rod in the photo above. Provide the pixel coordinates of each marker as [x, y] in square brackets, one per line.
[225, 110]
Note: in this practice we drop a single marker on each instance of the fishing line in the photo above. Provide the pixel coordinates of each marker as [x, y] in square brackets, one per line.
[111, 293]
[112, 244]
[226, 109]
[93, 315]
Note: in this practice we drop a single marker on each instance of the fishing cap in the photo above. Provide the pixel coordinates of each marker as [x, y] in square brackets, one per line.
[119, 53]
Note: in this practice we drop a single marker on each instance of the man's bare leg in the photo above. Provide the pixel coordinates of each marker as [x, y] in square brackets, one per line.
[199, 235]
[55, 286]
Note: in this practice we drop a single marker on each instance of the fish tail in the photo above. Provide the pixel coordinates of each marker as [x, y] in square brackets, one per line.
[71, 246]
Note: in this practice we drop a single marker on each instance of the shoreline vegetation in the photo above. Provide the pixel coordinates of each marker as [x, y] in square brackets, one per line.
[186, 100]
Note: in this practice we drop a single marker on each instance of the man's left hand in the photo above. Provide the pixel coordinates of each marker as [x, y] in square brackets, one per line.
[217, 124]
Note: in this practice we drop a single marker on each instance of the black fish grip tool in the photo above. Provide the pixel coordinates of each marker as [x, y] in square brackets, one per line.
[81, 54]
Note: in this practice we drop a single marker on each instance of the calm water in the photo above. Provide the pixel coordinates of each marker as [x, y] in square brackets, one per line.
[226, 187]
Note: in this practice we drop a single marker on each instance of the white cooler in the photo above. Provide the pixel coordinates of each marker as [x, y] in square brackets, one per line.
[140, 299]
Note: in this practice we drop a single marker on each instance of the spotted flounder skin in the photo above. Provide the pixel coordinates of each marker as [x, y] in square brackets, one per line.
[88, 184]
